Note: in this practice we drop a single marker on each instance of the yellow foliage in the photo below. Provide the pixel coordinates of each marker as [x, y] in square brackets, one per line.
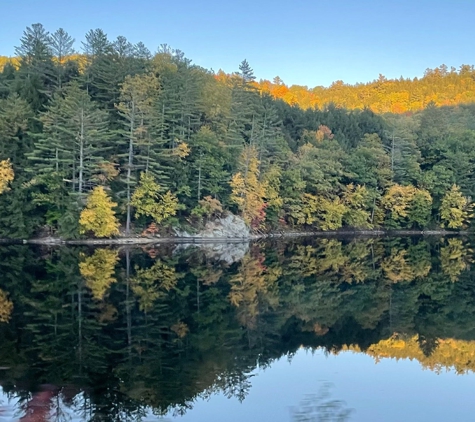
[247, 286]
[180, 329]
[98, 271]
[79, 58]
[182, 150]
[99, 216]
[13, 60]
[440, 85]
[456, 209]
[140, 92]
[6, 307]
[138, 95]
[327, 214]
[396, 267]
[448, 353]
[248, 192]
[148, 201]
[397, 200]
[108, 172]
[272, 182]
[153, 283]
[6, 175]
[454, 258]
[208, 207]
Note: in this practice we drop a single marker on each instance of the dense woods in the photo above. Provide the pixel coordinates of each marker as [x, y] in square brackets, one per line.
[114, 139]
[441, 86]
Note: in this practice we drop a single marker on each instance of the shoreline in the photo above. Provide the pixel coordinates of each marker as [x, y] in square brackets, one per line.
[53, 241]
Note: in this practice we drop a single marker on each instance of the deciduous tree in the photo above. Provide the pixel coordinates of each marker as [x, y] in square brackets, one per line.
[456, 209]
[99, 216]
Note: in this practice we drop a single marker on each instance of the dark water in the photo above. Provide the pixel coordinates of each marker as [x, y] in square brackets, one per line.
[314, 330]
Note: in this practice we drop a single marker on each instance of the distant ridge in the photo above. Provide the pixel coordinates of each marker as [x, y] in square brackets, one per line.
[441, 86]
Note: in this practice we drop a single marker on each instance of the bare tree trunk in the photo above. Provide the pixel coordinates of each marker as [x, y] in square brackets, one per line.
[129, 168]
[127, 304]
[199, 177]
[81, 153]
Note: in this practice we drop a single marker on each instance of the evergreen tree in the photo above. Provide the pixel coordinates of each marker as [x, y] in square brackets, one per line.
[137, 110]
[61, 44]
[74, 139]
[36, 82]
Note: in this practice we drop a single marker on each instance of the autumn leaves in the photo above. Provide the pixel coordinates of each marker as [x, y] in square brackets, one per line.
[99, 216]
[6, 175]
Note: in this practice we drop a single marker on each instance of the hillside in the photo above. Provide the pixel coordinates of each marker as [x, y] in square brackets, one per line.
[120, 140]
[441, 86]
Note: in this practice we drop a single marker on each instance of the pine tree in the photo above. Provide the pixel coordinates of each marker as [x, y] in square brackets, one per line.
[209, 175]
[75, 135]
[95, 48]
[61, 44]
[15, 122]
[245, 111]
[37, 80]
[136, 108]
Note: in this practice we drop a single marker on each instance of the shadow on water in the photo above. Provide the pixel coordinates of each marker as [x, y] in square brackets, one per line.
[121, 334]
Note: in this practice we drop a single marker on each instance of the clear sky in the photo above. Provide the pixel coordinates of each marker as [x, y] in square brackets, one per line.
[311, 42]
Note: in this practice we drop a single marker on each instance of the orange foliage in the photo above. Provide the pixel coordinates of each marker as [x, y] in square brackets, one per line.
[441, 85]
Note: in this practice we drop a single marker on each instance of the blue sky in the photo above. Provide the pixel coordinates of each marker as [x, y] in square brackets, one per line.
[304, 42]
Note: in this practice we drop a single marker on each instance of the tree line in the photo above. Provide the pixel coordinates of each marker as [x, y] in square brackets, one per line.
[442, 86]
[117, 139]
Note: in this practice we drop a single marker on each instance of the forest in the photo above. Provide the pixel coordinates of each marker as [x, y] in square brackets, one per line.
[161, 328]
[440, 86]
[116, 140]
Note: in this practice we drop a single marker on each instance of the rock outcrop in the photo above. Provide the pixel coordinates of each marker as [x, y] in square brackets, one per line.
[229, 227]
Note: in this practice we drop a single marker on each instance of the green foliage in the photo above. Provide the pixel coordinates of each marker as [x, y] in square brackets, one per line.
[148, 201]
[153, 283]
[407, 206]
[420, 208]
[455, 210]
[357, 200]
[369, 164]
[70, 122]
[325, 214]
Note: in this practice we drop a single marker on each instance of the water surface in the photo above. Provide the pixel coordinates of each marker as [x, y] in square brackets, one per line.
[327, 329]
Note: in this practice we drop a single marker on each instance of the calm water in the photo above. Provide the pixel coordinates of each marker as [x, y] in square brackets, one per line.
[314, 330]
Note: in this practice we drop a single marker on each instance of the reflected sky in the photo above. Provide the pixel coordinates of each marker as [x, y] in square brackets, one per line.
[389, 390]
[105, 334]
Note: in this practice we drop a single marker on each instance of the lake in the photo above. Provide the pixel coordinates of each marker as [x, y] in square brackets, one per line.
[367, 329]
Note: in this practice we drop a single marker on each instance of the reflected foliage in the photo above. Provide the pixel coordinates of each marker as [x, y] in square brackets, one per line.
[127, 332]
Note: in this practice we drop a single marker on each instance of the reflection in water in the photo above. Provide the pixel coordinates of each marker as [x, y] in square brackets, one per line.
[122, 334]
[321, 408]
